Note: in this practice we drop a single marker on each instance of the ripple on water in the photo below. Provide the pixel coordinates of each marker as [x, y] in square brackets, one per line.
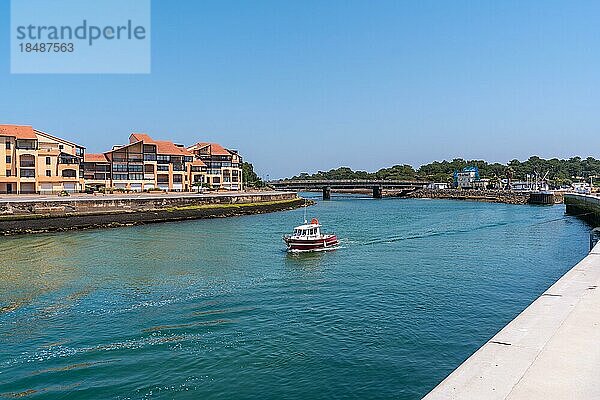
[218, 309]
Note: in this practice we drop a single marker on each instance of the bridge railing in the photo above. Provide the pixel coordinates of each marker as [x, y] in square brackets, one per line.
[326, 182]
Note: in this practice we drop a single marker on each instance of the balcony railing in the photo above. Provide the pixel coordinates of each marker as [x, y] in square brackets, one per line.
[27, 164]
[68, 160]
[27, 144]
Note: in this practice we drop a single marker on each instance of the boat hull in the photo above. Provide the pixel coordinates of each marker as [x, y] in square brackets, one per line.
[328, 242]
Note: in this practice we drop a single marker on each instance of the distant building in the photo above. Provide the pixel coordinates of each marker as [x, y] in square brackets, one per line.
[437, 186]
[520, 186]
[38, 162]
[582, 187]
[466, 178]
[529, 185]
[481, 184]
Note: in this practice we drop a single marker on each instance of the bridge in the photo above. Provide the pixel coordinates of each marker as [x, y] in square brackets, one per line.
[377, 185]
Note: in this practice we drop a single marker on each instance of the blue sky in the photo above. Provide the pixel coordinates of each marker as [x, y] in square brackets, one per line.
[308, 85]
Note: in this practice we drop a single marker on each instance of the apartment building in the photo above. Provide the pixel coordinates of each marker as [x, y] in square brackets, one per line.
[142, 164]
[96, 171]
[222, 167]
[38, 162]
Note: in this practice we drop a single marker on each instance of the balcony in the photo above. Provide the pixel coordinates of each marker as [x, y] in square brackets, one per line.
[27, 173]
[162, 178]
[26, 144]
[27, 162]
[68, 160]
[69, 173]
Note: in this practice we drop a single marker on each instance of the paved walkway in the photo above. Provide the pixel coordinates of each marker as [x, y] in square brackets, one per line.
[551, 351]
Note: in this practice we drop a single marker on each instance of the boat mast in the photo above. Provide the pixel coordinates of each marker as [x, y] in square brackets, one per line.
[305, 212]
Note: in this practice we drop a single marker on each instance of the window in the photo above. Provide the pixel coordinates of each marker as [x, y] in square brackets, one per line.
[136, 168]
[8, 172]
[48, 172]
[120, 167]
[8, 159]
[27, 161]
[26, 144]
[177, 179]
[163, 159]
[7, 145]
[69, 173]
[48, 161]
[162, 167]
[136, 177]
[120, 177]
[27, 173]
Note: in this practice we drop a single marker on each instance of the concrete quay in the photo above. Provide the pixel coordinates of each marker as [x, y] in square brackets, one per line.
[549, 351]
[585, 206]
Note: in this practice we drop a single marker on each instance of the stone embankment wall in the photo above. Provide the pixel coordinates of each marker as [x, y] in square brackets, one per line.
[495, 196]
[587, 207]
[33, 216]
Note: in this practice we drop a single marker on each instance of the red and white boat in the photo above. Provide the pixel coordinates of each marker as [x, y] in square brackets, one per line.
[308, 237]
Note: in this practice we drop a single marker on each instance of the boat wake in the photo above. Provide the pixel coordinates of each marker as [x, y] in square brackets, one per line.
[425, 235]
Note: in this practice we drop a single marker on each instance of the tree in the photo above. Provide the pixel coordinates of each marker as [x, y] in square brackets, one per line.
[249, 177]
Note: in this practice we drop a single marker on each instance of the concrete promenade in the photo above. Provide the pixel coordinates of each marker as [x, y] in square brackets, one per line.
[551, 351]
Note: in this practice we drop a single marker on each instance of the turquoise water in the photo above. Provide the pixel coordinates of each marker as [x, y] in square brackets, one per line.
[215, 309]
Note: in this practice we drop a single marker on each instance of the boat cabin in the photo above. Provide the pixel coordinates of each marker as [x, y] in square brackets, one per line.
[307, 230]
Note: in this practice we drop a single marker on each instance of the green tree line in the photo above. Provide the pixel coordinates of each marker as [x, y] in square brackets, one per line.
[560, 171]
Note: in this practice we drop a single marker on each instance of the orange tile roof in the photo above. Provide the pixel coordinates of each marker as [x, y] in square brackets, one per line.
[140, 136]
[198, 163]
[215, 148]
[165, 147]
[17, 131]
[90, 157]
[120, 147]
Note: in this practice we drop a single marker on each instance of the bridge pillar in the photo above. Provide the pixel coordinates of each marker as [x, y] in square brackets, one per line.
[327, 193]
[377, 192]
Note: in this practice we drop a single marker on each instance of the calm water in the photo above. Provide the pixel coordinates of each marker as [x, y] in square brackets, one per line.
[215, 309]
